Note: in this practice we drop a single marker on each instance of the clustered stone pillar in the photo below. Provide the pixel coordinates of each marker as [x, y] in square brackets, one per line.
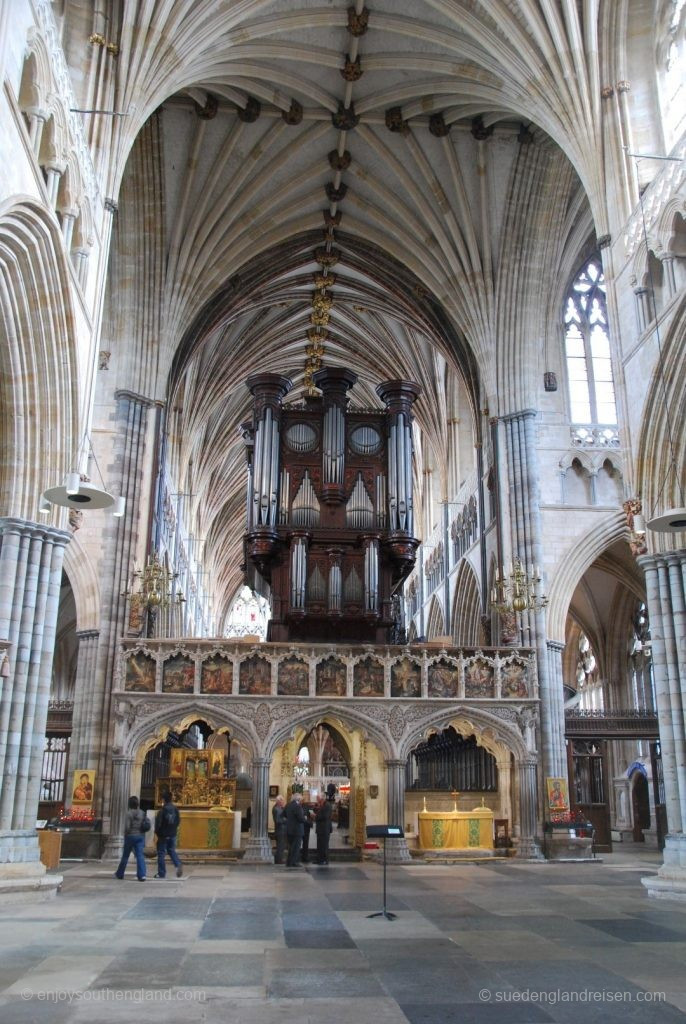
[128, 478]
[526, 532]
[31, 557]
[259, 848]
[85, 720]
[665, 576]
[396, 849]
[527, 776]
[121, 791]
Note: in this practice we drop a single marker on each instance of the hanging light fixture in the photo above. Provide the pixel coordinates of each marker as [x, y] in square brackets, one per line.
[79, 492]
[153, 587]
[516, 589]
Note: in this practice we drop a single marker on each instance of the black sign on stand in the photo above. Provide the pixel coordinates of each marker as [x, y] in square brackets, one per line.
[384, 832]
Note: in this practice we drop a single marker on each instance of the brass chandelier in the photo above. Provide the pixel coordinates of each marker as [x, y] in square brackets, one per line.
[517, 589]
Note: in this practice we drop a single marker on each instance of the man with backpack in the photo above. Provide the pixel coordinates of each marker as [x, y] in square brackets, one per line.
[166, 826]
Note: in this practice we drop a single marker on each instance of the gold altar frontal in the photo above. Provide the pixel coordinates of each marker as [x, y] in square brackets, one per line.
[210, 829]
[456, 830]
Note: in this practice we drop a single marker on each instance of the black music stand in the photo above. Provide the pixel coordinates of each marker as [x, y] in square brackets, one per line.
[384, 832]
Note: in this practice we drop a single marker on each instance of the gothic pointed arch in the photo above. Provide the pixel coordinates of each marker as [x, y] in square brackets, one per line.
[38, 362]
[466, 624]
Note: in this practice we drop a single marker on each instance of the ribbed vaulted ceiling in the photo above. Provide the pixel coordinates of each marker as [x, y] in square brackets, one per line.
[382, 187]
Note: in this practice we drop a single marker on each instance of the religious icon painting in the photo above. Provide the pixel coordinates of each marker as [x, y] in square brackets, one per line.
[513, 680]
[140, 673]
[216, 675]
[176, 762]
[331, 678]
[406, 679]
[442, 679]
[178, 675]
[294, 678]
[83, 788]
[255, 677]
[479, 679]
[368, 678]
[558, 794]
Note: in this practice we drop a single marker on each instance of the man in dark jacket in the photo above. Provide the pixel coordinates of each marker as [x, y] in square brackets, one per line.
[295, 829]
[166, 826]
[323, 828]
[279, 818]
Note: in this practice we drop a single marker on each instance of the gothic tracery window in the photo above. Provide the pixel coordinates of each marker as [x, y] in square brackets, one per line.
[587, 347]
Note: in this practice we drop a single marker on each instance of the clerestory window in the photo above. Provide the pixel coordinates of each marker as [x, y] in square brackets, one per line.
[587, 346]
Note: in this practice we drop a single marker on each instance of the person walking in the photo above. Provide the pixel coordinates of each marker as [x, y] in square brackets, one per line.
[135, 827]
[322, 827]
[295, 829]
[166, 826]
[280, 828]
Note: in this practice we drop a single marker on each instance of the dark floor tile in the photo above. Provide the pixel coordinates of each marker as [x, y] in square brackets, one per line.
[168, 907]
[247, 926]
[318, 922]
[142, 967]
[337, 874]
[34, 1011]
[631, 929]
[207, 970]
[310, 938]
[244, 905]
[323, 983]
[473, 1013]
[363, 901]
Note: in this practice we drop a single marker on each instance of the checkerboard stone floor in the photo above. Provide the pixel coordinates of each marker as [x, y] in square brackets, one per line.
[482, 943]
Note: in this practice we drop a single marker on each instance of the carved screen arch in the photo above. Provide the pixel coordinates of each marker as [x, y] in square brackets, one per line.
[466, 625]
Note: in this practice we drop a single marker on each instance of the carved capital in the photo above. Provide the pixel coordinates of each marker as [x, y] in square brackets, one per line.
[251, 111]
[352, 69]
[345, 118]
[358, 23]
[294, 114]
[438, 127]
[339, 161]
[395, 122]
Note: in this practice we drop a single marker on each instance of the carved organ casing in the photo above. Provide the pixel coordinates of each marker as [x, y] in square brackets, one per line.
[330, 513]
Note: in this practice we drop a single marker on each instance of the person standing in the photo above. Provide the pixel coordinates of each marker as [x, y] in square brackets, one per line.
[280, 828]
[166, 826]
[295, 829]
[322, 827]
[135, 827]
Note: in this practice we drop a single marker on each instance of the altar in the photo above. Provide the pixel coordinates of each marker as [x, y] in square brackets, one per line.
[210, 829]
[456, 830]
[205, 798]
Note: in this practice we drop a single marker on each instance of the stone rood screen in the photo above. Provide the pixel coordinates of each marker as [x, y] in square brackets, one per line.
[330, 521]
[225, 668]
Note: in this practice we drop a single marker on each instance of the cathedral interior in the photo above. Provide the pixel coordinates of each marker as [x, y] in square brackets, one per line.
[342, 391]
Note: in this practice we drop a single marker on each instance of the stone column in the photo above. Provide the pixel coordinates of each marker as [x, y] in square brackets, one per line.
[85, 719]
[505, 790]
[665, 576]
[31, 557]
[526, 534]
[121, 791]
[120, 537]
[527, 846]
[396, 849]
[259, 848]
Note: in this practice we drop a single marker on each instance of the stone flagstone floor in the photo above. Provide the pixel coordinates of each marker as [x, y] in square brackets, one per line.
[482, 943]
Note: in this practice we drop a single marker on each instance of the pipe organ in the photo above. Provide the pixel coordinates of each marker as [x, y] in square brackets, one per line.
[330, 510]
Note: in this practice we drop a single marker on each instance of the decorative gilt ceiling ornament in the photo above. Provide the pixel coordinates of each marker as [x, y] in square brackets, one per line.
[321, 302]
[339, 161]
[352, 69]
[438, 127]
[315, 336]
[251, 111]
[327, 257]
[324, 280]
[345, 118]
[479, 130]
[395, 122]
[331, 220]
[294, 114]
[358, 23]
[333, 194]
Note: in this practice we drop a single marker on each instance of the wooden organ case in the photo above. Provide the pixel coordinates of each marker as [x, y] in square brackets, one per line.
[330, 513]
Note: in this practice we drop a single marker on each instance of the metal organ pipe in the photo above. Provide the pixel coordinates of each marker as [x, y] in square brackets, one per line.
[371, 576]
[392, 482]
[298, 573]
